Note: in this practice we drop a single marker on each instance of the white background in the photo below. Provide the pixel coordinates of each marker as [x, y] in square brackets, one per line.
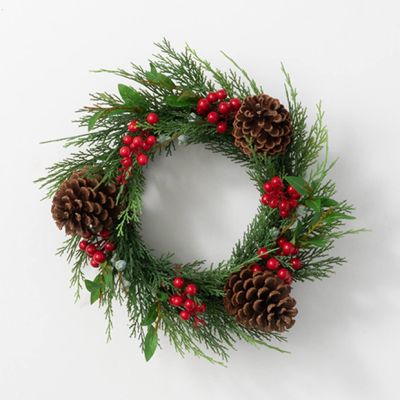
[345, 344]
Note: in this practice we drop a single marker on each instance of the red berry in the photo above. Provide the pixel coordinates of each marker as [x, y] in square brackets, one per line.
[256, 268]
[99, 256]
[268, 187]
[265, 199]
[281, 241]
[203, 105]
[287, 248]
[126, 162]
[273, 203]
[83, 244]
[284, 205]
[222, 127]
[94, 263]
[212, 117]
[105, 233]
[235, 103]
[132, 126]
[293, 203]
[221, 94]
[262, 252]
[109, 246]
[191, 289]
[284, 213]
[90, 249]
[151, 140]
[124, 151]
[289, 280]
[185, 315]
[178, 282]
[296, 264]
[201, 308]
[293, 193]
[283, 273]
[137, 141]
[212, 97]
[175, 300]
[273, 264]
[127, 139]
[276, 182]
[224, 107]
[87, 235]
[189, 305]
[146, 146]
[152, 118]
[142, 159]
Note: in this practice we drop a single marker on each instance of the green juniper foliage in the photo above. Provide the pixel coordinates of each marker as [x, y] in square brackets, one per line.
[171, 86]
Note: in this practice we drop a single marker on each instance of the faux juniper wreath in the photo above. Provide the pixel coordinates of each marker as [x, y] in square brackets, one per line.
[97, 198]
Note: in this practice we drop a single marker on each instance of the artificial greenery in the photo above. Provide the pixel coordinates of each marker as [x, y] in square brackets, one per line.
[171, 86]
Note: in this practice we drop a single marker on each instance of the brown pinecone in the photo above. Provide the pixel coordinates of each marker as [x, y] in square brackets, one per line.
[83, 206]
[259, 300]
[266, 122]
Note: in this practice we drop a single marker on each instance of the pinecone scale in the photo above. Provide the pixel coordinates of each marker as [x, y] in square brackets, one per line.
[83, 206]
[265, 123]
[260, 300]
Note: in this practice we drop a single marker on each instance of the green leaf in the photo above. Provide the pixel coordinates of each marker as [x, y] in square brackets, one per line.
[178, 102]
[298, 231]
[299, 184]
[109, 279]
[94, 118]
[158, 79]
[332, 217]
[151, 315]
[150, 343]
[316, 217]
[163, 297]
[316, 242]
[92, 286]
[132, 97]
[94, 295]
[327, 202]
[314, 204]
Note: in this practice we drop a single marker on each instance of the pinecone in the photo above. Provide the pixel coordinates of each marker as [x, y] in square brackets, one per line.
[266, 122]
[83, 206]
[259, 300]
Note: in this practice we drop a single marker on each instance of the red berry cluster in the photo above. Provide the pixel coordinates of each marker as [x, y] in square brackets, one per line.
[286, 249]
[97, 247]
[135, 146]
[218, 109]
[277, 196]
[184, 300]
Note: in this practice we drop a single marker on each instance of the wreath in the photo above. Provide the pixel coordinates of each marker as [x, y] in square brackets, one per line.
[97, 199]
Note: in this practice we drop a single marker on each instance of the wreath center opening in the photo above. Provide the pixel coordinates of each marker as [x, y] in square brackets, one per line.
[196, 204]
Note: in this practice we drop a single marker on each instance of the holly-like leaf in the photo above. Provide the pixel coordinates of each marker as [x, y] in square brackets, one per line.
[314, 204]
[92, 286]
[132, 97]
[317, 242]
[327, 202]
[299, 184]
[94, 118]
[109, 279]
[94, 295]
[163, 296]
[158, 79]
[150, 343]
[332, 217]
[178, 102]
[151, 315]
